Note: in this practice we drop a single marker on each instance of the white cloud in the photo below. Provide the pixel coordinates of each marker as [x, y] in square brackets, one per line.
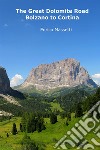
[16, 80]
[96, 78]
[97, 82]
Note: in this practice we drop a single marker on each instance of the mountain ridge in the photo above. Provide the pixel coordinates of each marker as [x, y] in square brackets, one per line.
[5, 85]
[60, 74]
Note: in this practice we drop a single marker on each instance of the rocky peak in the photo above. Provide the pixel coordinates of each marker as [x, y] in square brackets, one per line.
[4, 80]
[65, 73]
[5, 86]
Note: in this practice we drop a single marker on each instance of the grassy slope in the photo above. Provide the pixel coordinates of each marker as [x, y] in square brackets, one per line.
[55, 106]
[47, 137]
[54, 92]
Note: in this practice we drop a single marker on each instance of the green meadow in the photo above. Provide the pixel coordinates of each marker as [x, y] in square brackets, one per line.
[45, 139]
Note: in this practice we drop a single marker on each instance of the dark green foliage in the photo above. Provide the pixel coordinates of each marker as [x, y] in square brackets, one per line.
[40, 124]
[53, 118]
[79, 110]
[28, 144]
[3, 118]
[31, 123]
[29, 104]
[63, 114]
[91, 100]
[7, 135]
[35, 104]
[69, 101]
[10, 108]
[98, 93]
[67, 123]
[14, 129]
[21, 129]
[69, 116]
[14, 109]
[39, 103]
[16, 94]
[56, 112]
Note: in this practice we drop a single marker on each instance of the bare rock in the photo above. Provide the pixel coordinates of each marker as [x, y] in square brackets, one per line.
[66, 73]
[4, 80]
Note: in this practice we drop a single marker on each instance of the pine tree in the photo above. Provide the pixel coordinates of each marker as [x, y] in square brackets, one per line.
[7, 135]
[28, 144]
[67, 123]
[40, 124]
[21, 129]
[24, 121]
[69, 116]
[53, 118]
[31, 123]
[79, 110]
[14, 129]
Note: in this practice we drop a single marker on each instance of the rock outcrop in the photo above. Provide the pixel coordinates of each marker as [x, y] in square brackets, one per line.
[5, 85]
[66, 73]
[4, 81]
[10, 99]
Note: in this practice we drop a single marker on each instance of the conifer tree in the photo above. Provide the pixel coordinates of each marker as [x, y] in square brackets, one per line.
[53, 118]
[14, 129]
[28, 144]
[79, 110]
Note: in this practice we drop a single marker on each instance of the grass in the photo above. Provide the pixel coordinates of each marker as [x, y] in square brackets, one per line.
[55, 106]
[48, 137]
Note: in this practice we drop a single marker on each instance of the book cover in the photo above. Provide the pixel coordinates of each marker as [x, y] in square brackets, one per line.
[49, 74]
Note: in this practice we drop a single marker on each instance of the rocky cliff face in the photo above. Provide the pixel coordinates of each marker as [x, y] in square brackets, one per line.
[5, 85]
[66, 73]
[4, 81]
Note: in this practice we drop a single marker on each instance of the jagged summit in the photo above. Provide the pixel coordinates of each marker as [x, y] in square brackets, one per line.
[4, 80]
[5, 85]
[65, 73]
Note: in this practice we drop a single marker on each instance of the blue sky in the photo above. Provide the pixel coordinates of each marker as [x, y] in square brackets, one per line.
[23, 46]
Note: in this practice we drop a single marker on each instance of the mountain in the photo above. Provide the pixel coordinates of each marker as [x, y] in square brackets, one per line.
[67, 77]
[5, 85]
[65, 73]
[8, 97]
[4, 81]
